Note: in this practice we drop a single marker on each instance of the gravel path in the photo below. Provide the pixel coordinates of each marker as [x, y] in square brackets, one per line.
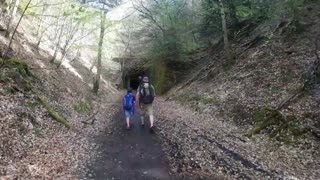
[129, 154]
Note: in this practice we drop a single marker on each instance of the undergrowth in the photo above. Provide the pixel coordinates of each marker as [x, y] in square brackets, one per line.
[17, 71]
[189, 98]
[83, 107]
[278, 126]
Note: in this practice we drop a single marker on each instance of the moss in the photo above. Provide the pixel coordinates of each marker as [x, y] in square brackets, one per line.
[20, 66]
[10, 90]
[276, 125]
[159, 77]
[83, 107]
[53, 113]
[19, 72]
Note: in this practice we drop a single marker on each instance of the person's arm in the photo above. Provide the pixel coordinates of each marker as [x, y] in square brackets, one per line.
[154, 90]
[137, 98]
[134, 99]
[122, 104]
[137, 95]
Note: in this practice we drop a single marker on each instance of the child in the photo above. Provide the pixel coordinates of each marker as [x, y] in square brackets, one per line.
[128, 106]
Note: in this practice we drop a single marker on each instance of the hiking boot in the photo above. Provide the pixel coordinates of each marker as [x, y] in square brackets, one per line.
[152, 130]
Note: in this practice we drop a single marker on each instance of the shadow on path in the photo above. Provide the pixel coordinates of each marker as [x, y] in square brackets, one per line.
[129, 154]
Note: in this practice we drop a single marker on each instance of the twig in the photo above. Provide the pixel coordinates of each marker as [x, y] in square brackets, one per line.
[91, 117]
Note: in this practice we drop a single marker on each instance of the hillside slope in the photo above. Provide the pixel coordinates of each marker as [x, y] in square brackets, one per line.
[257, 118]
[33, 93]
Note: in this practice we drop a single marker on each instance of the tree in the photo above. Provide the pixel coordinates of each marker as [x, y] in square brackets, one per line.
[225, 32]
[57, 45]
[103, 5]
[171, 27]
[96, 83]
[15, 30]
[41, 29]
[12, 12]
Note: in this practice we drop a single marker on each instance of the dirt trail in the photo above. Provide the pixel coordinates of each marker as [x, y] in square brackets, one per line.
[129, 154]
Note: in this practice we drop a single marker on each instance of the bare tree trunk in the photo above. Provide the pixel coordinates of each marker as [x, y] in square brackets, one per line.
[38, 43]
[91, 68]
[40, 39]
[96, 83]
[69, 42]
[15, 30]
[41, 31]
[63, 54]
[40, 21]
[15, 8]
[13, 12]
[57, 45]
[225, 31]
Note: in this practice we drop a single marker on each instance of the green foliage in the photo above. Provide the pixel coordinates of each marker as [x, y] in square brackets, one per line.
[242, 10]
[83, 107]
[19, 66]
[211, 18]
[174, 31]
[160, 79]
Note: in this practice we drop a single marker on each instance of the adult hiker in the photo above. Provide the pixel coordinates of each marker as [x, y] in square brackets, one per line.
[145, 95]
[128, 106]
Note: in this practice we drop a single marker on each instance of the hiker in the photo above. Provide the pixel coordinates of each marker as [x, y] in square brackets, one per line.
[145, 96]
[128, 106]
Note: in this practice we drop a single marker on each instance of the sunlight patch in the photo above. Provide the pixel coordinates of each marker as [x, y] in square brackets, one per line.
[109, 86]
[40, 63]
[72, 69]
[4, 40]
[27, 48]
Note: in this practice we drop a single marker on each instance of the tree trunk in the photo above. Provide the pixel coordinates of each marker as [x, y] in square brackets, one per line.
[38, 43]
[15, 8]
[40, 21]
[96, 83]
[15, 30]
[63, 54]
[13, 12]
[225, 32]
[40, 39]
[57, 45]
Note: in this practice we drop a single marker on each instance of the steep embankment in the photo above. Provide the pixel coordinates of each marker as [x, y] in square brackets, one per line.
[257, 118]
[34, 98]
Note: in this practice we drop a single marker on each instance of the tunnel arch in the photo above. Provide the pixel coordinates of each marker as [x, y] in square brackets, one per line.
[131, 80]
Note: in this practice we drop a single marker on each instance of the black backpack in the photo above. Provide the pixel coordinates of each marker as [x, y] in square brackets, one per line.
[146, 94]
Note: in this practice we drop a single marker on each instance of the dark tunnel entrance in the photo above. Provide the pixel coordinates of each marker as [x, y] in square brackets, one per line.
[132, 81]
